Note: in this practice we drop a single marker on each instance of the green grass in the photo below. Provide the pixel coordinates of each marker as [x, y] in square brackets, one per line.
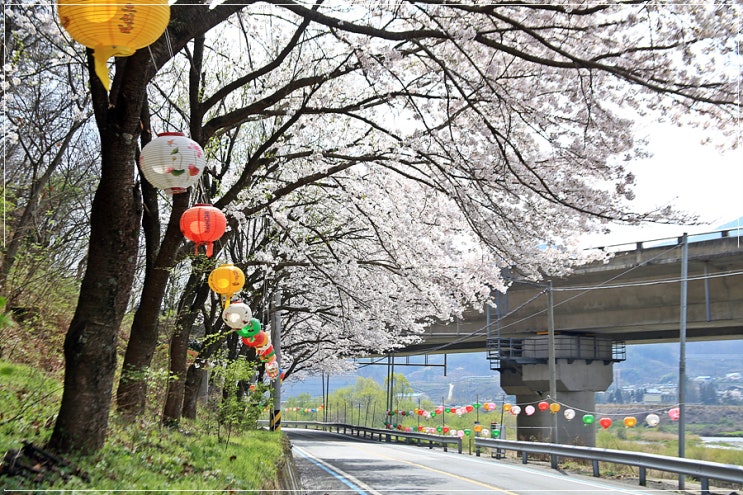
[137, 456]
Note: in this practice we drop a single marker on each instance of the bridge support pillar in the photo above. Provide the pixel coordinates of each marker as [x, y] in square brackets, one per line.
[577, 382]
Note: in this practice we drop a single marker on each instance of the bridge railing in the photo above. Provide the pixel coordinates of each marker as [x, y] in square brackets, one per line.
[702, 470]
[382, 435]
[670, 241]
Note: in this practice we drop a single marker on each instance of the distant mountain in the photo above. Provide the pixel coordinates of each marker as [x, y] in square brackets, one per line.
[468, 376]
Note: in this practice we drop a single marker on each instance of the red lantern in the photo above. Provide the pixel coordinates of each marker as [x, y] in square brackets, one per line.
[172, 162]
[674, 414]
[203, 224]
[605, 422]
[543, 406]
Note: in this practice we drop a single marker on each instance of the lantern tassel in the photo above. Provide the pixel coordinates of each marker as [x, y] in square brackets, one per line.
[101, 55]
[101, 68]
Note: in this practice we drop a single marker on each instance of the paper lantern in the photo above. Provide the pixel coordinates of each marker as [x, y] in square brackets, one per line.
[630, 421]
[674, 413]
[554, 407]
[515, 410]
[569, 414]
[226, 280]
[204, 224]
[605, 422]
[543, 406]
[529, 410]
[172, 162]
[250, 329]
[237, 315]
[114, 28]
[588, 419]
[652, 419]
[272, 369]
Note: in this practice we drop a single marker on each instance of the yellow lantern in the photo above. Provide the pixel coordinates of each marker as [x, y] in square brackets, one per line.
[114, 28]
[226, 280]
[554, 407]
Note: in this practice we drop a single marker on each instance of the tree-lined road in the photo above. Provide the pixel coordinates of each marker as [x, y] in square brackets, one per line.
[332, 463]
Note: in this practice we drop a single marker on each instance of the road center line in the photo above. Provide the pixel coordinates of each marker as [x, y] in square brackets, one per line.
[461, 478]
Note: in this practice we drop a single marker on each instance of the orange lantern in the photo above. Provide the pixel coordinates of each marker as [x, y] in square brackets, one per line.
[172, 162]
[204, 224]
[114, 28]
[554, 407]
[630, 421]
[226, 280]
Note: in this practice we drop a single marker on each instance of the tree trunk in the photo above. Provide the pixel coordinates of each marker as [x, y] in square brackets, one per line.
[90, 344]
[193, 298]
[194, 378]
[131, 394]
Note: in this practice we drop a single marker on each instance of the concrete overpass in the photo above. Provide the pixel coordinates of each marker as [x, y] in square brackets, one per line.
[632, 297]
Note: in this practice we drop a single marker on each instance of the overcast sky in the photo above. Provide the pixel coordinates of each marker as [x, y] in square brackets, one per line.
[687, 175]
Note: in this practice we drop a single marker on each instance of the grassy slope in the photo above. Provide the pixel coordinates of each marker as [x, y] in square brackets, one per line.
[141, 455]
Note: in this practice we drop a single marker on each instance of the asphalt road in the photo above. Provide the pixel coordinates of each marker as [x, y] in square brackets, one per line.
[335, 464]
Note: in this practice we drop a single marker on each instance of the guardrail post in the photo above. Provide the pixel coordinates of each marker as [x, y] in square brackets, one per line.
[705, 486]
[643, 476]
[445, 445]
[459, 445]
[524, 456]
[596, 472]
[553, 461]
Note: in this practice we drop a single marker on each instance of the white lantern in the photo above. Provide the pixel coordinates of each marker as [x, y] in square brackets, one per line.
[172, 162]
[237, 315]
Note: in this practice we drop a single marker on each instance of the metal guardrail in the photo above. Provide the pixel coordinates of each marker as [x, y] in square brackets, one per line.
[383, 435]
[702, 470]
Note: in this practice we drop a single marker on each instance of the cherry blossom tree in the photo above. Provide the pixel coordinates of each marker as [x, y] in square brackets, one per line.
[405, 152]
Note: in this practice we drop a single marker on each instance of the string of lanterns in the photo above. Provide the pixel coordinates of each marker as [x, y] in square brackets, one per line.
[172, 162]
[605, 422]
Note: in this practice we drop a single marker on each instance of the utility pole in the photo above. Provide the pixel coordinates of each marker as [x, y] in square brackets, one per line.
[682, 352]
[551, 355]
[275, 423]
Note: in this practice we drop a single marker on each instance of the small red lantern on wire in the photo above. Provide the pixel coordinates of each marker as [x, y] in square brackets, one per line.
[203, 224]
[172, 162]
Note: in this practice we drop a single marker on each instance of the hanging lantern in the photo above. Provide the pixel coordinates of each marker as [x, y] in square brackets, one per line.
[652, 419]
[237, 315]
[115, 28]
[250, 329]
[630, 421]
[226, 280]
[203, 224]
[172, 162]
[543, 405]
[605, 422]
[554, 408]
[569, 414]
